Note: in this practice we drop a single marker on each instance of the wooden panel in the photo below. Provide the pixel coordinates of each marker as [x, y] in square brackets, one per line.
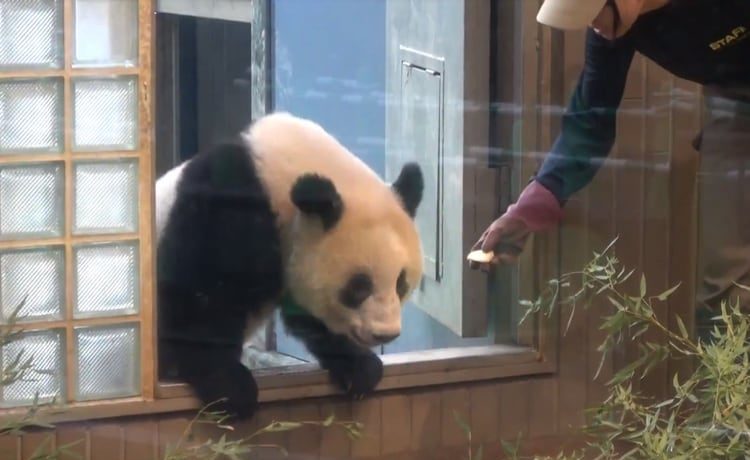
[334, 444]
[643, 196]
[9, 447]
[573, 373]
[454, 402]
[141, 438]
[628, 153]
[36, 444]
[305, 441]
[369, 413]
[426, 410]
[396, 434]
[601, 233]
[543, 402]
[484, 400]
[170, 430]
[657, 145]
[634, 86]
[74, 435]
[574, 43]
[107, 441]
[266, 416]
[658, 98]
[629, 184]
[683, 212]
[514, 410]
[574, 235]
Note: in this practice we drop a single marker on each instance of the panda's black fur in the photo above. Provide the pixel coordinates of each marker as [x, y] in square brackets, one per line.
[219, 260]
[206, 262]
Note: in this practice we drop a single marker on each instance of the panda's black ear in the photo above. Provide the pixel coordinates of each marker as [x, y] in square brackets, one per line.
[316, 195]
[409, 186]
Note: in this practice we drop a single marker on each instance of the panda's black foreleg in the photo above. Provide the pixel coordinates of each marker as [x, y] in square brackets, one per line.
[200, 343]
[216, 375]
[356, 370]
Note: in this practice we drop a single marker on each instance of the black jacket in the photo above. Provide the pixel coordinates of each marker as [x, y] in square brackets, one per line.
[704, 41]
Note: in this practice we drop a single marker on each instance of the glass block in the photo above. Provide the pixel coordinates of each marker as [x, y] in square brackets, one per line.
[108, 360]
[105, 113]
[31, 34]
[46, 349]
[31, 114]
[106, 197]
[106, 33]
[106, 280]
[38, 275]
[31, 201]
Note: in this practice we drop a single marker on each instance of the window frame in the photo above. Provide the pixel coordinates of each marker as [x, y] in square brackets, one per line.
[536, 353]
[141, 236]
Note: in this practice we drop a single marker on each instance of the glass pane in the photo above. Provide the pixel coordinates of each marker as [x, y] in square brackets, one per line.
[31, 201]
[106, 33]
[47, 353]
[105, 113]
[106, 280]
[31, 34]
[31, 114]
[38, 276]
[106, 197]
[108, 362]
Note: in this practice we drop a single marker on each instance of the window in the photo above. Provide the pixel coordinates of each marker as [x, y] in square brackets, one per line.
[415, 89]
[85, 134]
[75, 197]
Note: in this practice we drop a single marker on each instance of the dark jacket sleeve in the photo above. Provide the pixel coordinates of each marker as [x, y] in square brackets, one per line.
[588, 125]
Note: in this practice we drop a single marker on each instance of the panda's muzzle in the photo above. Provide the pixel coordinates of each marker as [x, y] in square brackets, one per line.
[383, 339]
[372, 340]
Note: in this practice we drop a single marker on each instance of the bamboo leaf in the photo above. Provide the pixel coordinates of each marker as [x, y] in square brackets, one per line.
[665, 295]
[683, 329]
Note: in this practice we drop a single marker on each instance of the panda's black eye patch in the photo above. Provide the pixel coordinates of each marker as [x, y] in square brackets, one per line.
[357, 290]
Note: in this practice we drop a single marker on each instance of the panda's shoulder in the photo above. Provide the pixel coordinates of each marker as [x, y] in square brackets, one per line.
[279, 131]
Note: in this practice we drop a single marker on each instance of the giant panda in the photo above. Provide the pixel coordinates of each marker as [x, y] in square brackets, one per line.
[283, 215]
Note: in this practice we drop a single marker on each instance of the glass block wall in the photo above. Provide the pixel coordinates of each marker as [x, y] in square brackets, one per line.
[74, 151]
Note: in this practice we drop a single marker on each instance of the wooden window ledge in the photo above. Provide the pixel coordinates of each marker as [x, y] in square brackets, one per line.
[401, 371]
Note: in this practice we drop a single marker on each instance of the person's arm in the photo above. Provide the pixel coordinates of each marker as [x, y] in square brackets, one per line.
[588, 126]
[588, 133]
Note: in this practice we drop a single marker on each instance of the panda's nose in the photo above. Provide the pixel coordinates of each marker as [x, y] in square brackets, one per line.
[385, 338]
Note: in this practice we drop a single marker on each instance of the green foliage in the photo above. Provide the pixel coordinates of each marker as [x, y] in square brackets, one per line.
[222, 448]
[20, 368]
[707, 415]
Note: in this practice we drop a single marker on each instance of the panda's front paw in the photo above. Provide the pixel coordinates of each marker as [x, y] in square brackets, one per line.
[232, 390]
[357, 375]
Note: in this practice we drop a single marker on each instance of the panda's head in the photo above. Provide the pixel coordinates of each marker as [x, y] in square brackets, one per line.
[355, 259]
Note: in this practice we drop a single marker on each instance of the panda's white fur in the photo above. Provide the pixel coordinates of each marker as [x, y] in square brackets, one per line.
[285, 146]
[373, 233]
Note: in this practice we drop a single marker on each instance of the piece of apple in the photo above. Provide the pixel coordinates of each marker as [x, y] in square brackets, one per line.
[481, 256]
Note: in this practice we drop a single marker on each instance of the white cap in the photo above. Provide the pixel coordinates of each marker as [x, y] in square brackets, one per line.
[569, 14]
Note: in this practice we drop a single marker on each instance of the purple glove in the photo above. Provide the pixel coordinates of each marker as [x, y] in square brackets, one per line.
[537, 209]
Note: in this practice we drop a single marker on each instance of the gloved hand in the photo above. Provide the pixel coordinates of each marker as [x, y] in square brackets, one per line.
[535, 210]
